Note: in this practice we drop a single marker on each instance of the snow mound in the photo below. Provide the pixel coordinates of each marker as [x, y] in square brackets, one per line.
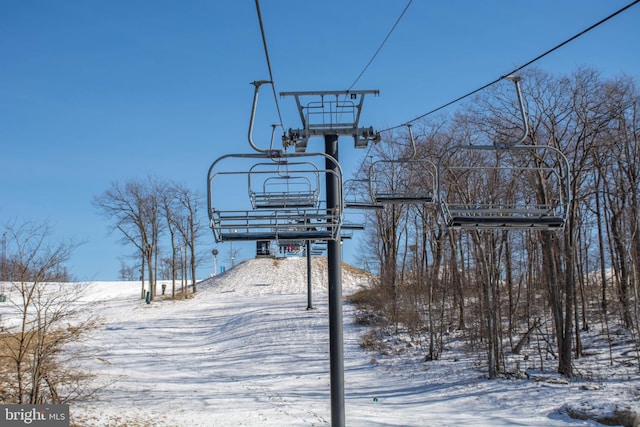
[261, 276]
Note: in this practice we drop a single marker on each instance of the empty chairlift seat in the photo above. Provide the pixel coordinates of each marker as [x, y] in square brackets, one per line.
[507, 185]
[357, 195]
[284, 184]
[517, 186]
[408, 180]
[286, 191]
[402, 181]
[269, 212]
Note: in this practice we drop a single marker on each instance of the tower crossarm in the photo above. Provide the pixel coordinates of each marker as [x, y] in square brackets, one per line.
[329, 113]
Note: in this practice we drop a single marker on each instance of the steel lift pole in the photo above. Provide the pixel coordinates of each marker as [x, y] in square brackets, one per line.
[334, 264]
[337, 113]
[309, 297]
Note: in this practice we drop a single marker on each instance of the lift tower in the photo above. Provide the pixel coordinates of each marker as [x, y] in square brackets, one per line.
[331, 114]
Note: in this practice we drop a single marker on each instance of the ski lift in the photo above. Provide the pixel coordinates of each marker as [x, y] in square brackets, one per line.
[283, 184]
[401, 181]
[354, 220]
[240, 220]
[357, 195]
[505, 185]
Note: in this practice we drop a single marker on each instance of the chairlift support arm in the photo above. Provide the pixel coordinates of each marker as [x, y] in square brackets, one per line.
[523, 115]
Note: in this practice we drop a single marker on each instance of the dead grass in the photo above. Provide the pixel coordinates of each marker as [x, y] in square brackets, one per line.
[41, 356]
[366, 297]
[179, 296]
[355, 270]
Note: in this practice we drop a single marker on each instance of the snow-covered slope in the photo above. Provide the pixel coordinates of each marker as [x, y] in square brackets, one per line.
[245, 352]
[260, 276]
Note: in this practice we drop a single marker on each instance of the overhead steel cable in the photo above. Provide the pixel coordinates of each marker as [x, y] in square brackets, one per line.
[374, 57]
[266, 54]
[537, 58]
[381, 45]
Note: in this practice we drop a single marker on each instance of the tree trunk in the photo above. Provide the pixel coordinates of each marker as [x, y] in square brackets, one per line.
[152, 286]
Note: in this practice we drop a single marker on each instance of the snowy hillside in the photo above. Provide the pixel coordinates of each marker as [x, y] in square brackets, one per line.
[245, 352]
[283, 276]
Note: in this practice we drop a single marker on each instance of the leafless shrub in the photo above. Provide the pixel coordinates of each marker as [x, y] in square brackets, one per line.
[44, 322]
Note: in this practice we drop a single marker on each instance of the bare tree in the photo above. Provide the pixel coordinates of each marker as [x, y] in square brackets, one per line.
[126, 272]
[34, 354]
[531, 282]
[170, 211]
[134, 208]
[188, 224]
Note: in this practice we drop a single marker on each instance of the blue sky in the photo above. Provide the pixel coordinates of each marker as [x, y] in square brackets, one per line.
[98, 92]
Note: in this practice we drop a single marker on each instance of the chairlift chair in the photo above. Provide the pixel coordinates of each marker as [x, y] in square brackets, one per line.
[403, 181]
[318, 248]
[357, 195]
[519, 187]
[505, 185]
[291, 247]
[354, 220]
[237, 218]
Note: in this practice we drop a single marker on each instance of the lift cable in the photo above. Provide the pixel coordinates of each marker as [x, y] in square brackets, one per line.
[371, 61]
[381, 45]
[266, 53]
[602, 21]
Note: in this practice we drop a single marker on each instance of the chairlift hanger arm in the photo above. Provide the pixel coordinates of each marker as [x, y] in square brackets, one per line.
[257, 85]
[413, 141]
[523, 115]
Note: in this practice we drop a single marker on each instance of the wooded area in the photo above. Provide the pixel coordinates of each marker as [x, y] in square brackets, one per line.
[499, 286]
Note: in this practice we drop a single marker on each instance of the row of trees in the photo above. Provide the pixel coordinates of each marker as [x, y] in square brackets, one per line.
[501, 286]
[149, 212]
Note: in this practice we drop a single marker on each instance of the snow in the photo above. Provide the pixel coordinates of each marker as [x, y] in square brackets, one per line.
[245, 351]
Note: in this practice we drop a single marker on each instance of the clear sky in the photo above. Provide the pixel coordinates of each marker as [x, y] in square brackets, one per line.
[95, 92]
